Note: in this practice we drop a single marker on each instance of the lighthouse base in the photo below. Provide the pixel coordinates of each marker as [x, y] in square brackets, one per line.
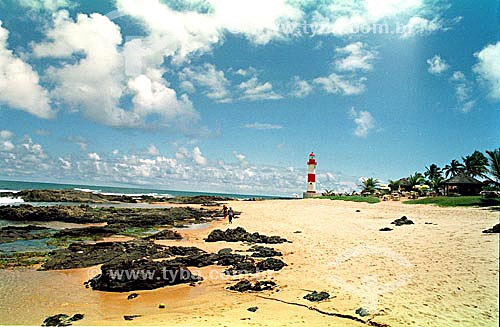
[306, 195]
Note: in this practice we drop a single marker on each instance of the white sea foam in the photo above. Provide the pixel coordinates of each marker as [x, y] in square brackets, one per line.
[9, 191]
[4, 201]
[156, 195]
[86, 190]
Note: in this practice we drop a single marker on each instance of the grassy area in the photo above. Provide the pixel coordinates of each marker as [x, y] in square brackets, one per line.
[461, 201]
[353, 198]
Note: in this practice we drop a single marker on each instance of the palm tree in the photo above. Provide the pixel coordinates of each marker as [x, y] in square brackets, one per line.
[495, 165]
[394, 185]
[369, 184]
[475, 164]
[453, 168]
[432, 172]
[436, 182]
[415, 179]
[328, 192]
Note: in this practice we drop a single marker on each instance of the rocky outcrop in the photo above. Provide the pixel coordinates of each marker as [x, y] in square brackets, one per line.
[61, 319]
[199, 199]
[208, 259]
[239, 234]
[116, 218]
[317, 296]
[270, 264]
[245, 286]
[90, 197]
[166, 234]
[79, 255]
[263, 252]
[494, 229]
[248, 266]
[142, 274]
[402, 221]
[91, 231]
[31, 232]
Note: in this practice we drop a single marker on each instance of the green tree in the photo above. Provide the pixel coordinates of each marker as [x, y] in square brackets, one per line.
[394, 185]
[432, 172]
[415, 179]
[328, 192]
[453, 168]
[369, 184]
[476, 164]
[436, 182]
[494, 165]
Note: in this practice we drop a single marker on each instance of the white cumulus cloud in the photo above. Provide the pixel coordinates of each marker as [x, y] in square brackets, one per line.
[358, 57]
[488, 68]
[253, 90]
[19, 83]
[210, 78]
[437, 65]
[364, 122]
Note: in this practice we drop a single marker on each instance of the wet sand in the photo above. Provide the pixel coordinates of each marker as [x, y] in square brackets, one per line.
[452, 272]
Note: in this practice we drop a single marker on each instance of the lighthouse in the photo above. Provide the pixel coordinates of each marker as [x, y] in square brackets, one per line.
[311, 177]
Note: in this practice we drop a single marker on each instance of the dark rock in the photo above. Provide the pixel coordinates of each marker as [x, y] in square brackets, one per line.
[494, 229]
[131, 317]
[132, 296]
[385, 229]
[263, 252]
[77, 316]
[241, 286]
[198, 199]
[245, 285]
[117, 219]
[253, 309]
[225, 251]
[402, 221]
[263, 286]
[271, 264]
[362, 312]
[142, 274]
[239, 234]
[79, 255]
[241, 268]
[298, 232]
[166, 234]
[91, 231]
[61, 319]
[248, 267]
[208, 259]
[358, 210]
[90, 197]
[13, 233]
[317, 297]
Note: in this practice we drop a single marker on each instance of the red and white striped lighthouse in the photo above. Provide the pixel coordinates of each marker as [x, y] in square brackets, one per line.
[311, 174]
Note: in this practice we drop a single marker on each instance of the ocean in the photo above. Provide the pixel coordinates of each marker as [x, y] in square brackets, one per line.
[9, 186]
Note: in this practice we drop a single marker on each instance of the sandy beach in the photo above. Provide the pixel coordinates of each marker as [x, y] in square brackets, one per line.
[441, 271]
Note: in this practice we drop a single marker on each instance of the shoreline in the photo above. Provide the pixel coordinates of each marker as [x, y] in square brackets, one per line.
[447, 255]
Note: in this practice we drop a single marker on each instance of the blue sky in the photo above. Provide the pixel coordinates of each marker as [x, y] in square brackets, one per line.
[231, 96]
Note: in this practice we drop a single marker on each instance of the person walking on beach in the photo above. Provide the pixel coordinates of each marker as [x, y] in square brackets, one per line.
[230, 215]
[224, 210]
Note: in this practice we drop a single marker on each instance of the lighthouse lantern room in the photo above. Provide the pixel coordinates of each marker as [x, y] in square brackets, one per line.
[311, 177]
